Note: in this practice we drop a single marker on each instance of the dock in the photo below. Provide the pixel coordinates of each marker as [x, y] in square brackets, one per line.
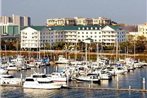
[110, 89]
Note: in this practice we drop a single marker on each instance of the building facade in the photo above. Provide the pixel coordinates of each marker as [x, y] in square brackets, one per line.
[60, 22]
[83, 21]
[142, 29]
[101, 34]
[38, 37]
[18, 20]
[9, 29]
[101, 21]
[34, 37]
[79, 21]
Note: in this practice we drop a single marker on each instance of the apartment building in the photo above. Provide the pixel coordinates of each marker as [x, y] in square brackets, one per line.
[101, 21]
[79, 21]
[83, 21]
[60, 22]
[18, 20]
[9, 29]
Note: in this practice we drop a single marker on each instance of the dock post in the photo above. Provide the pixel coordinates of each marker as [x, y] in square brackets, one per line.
[117, 84]
[143, 82]
[21, 80]
[129, 87]
[45, 71]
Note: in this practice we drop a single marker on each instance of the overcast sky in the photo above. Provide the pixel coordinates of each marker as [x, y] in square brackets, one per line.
[122, 11]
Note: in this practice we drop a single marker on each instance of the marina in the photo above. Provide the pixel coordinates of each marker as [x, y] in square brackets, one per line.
[121, 84]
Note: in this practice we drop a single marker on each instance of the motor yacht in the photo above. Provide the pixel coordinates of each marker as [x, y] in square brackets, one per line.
[89, 78]
[9, 80]
[40, 81]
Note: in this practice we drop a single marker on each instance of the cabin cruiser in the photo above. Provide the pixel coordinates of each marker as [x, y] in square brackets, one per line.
[12, 67]
[9, 80]
[62, 60]
[3, 70]
[104, 75]
[89, 78]
[58, 77]
[40, 81]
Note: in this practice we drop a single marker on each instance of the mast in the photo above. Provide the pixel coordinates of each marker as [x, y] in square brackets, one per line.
[97, 54]
[116, 49]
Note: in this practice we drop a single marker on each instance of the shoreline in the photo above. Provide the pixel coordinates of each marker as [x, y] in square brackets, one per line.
[55, 53]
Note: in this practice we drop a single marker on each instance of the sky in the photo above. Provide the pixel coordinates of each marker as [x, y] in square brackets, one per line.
[121, 11]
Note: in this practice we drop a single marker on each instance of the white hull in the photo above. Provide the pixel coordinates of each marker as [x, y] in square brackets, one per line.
[3, 71]
[36, 85]
[10, 81]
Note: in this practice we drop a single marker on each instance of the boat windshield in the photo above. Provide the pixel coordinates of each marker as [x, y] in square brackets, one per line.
[39, 76]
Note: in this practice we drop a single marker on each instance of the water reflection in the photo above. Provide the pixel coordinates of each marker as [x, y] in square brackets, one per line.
[39, 93]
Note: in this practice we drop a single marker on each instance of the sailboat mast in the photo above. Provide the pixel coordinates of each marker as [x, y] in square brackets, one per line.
[116, 49]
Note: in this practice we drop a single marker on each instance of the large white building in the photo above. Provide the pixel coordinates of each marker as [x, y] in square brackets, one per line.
[37, 37]
[102, 34]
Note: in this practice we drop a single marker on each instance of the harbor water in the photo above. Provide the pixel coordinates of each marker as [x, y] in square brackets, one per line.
[131, 79]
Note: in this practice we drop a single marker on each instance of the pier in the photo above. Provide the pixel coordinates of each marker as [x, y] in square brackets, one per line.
[112, 89]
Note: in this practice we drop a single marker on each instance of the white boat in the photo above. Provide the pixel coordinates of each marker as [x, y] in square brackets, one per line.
[12, 68]
[40, 81]
[9, 80]
[89, 78]
[58, 77]
[3, 71]
[104, 75]
[120, 70]
[31, 65]
[62, 60]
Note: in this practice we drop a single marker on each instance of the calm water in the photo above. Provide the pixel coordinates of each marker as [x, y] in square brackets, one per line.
[133, 79]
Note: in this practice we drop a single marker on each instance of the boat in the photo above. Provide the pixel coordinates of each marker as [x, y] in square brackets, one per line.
[40, 81]
[3, 70]
[62, 60]
[9, 80]
[58, 77]
[104, 75]
[12, 68]
[89, 78]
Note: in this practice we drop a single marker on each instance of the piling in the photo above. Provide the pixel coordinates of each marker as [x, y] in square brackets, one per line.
[143, 82]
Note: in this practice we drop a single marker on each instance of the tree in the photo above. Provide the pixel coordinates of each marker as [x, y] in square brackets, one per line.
[140, 44]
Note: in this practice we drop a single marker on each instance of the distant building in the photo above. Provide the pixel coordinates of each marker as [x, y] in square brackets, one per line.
[83, 21]
[9, 29]
[101, 21]
[142, 29]
[60, 22]
[18, 20]
[76, 21]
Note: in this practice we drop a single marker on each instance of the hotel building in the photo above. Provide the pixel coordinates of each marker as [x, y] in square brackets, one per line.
[37, 37]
